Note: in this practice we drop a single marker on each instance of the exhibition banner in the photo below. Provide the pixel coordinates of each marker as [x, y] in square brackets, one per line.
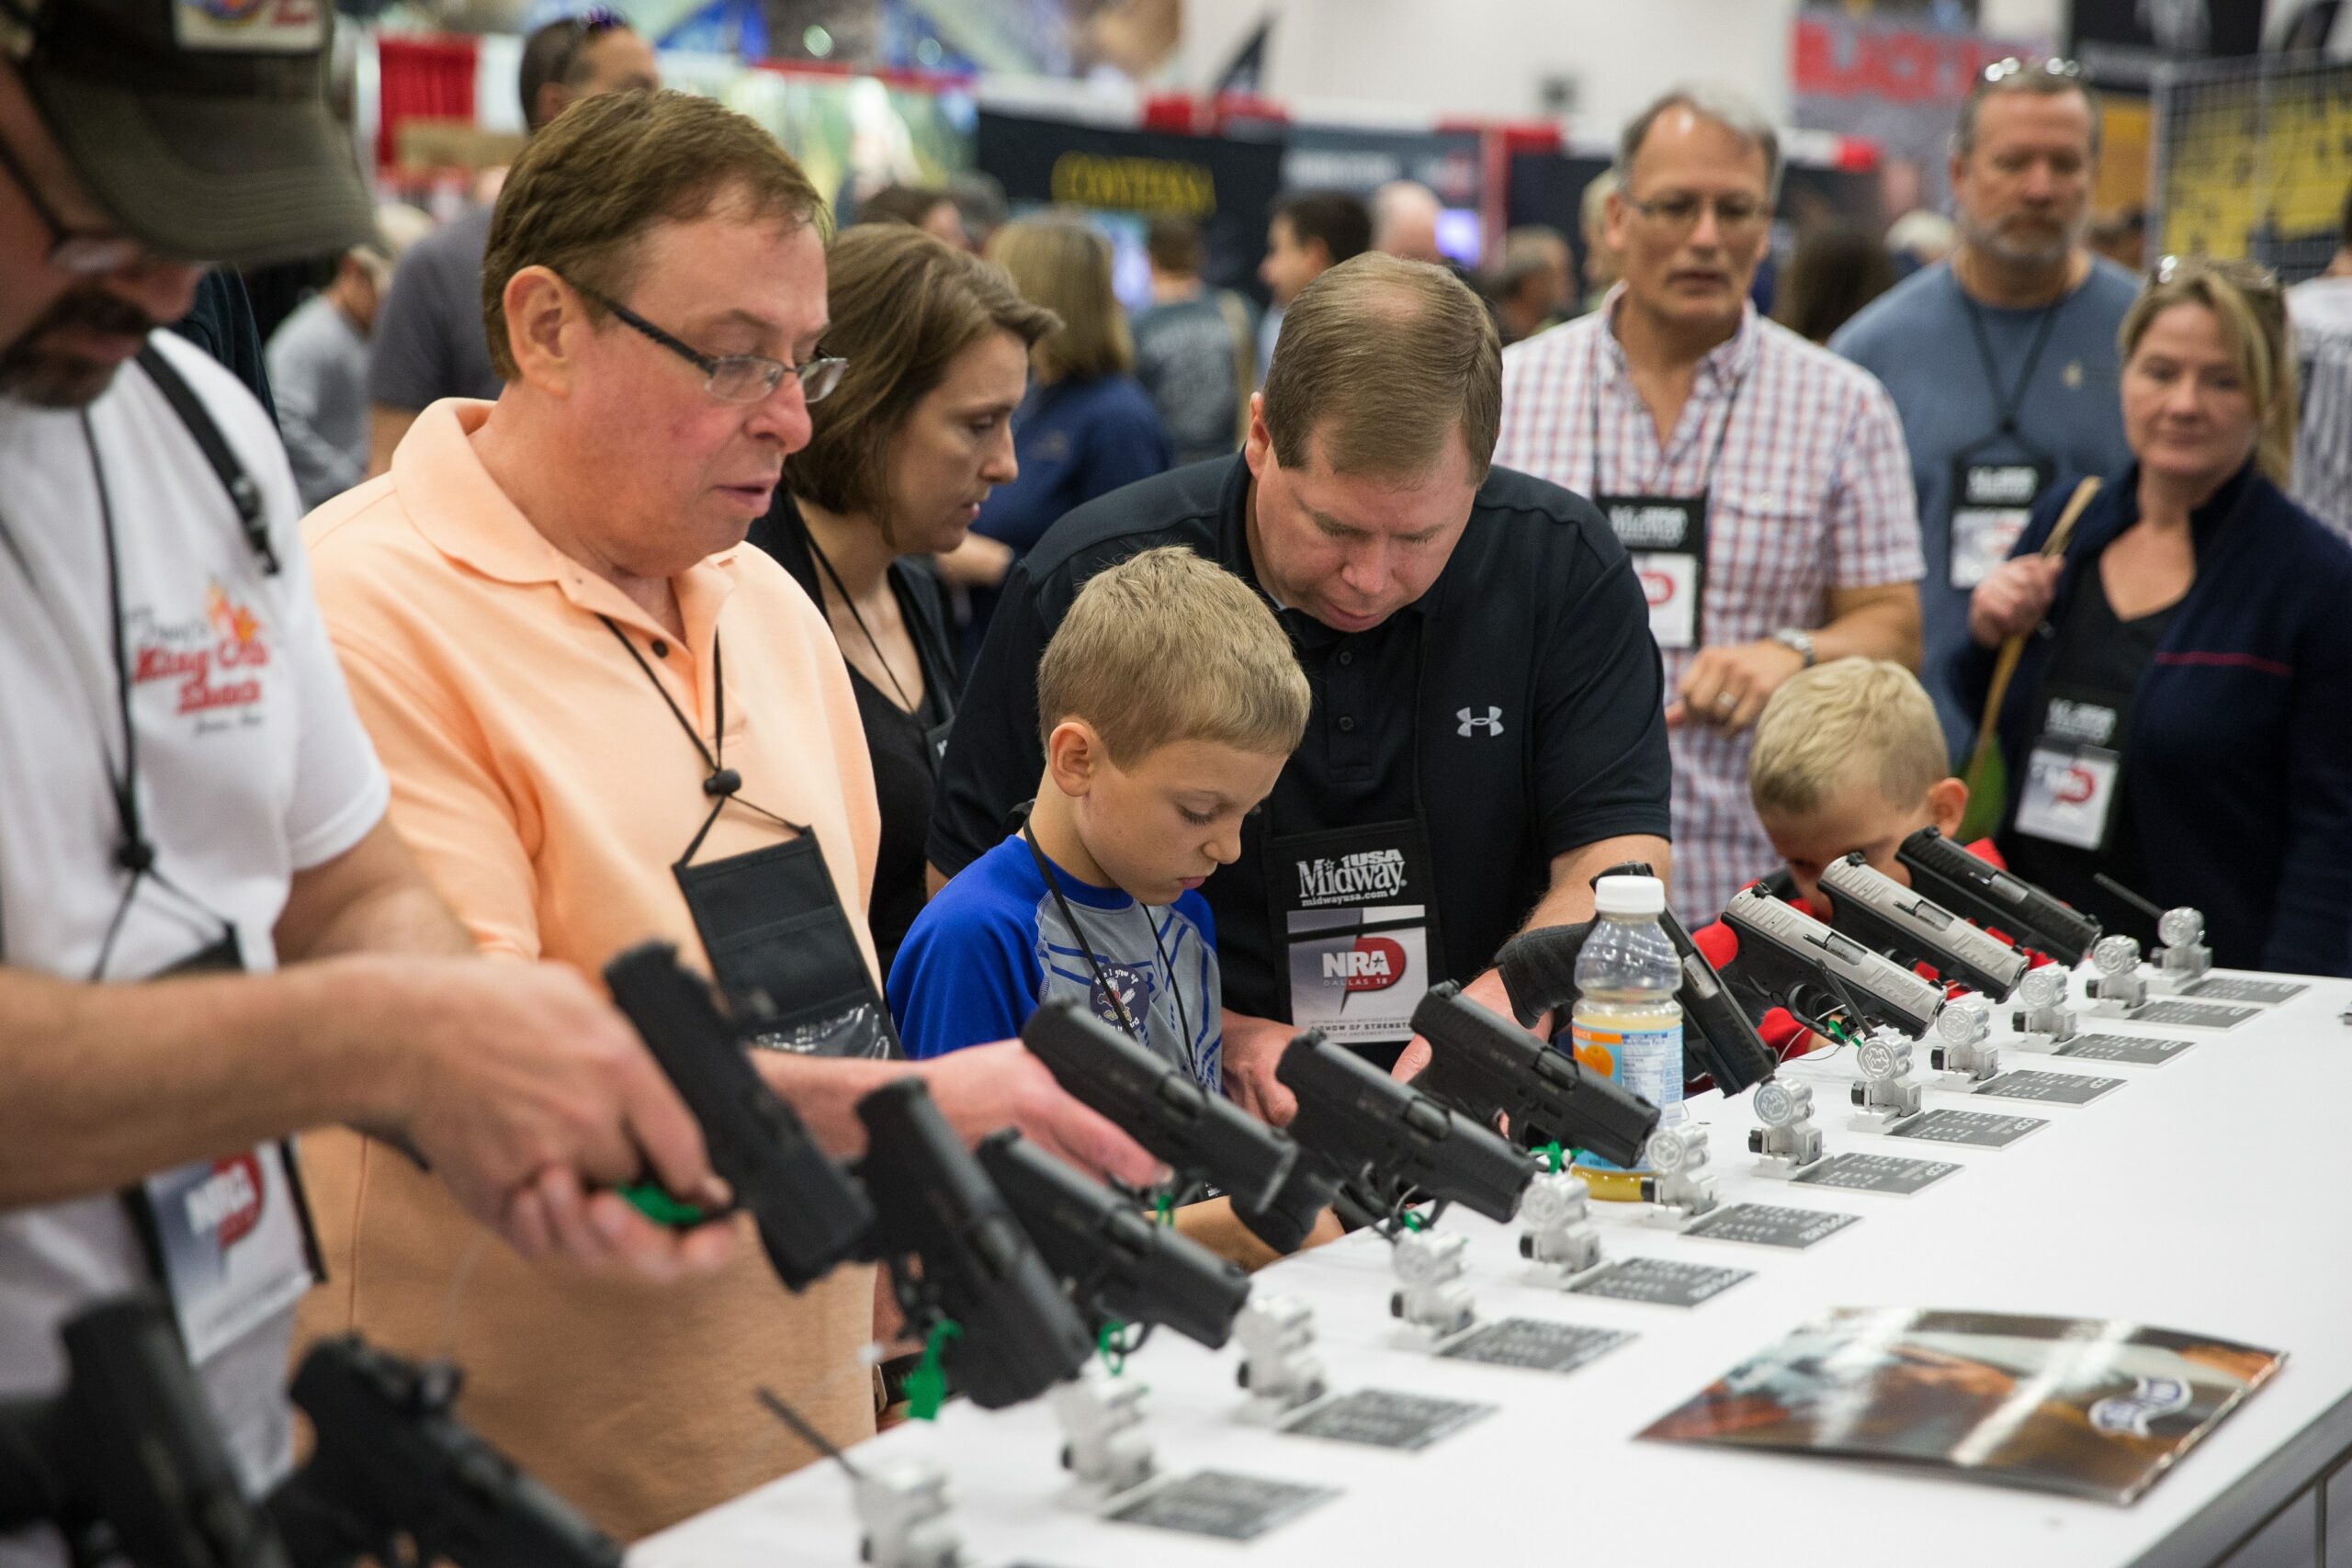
[1226, 187]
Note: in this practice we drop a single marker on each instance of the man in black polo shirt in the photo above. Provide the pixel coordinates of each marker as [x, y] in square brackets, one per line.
[1487, 729]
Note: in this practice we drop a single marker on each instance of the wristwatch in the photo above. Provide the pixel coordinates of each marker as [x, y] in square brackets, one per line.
[1797, 641]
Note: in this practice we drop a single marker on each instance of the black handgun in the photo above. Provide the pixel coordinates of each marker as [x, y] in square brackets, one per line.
[1910, 927]
[1019, 1334]
[1718, 1037]
[397, 1477]
[1117, 1262]
[811, 1216]
[1486, 1067]
[1982, 892]
[126, 1461]
[1158, 1105]
[1357, 1121]
[1787, 958]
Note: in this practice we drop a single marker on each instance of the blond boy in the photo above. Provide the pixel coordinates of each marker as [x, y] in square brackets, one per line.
[1848, 756]
[1169, 700]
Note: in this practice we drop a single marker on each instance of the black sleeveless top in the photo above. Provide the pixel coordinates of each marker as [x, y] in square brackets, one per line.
[904, 768]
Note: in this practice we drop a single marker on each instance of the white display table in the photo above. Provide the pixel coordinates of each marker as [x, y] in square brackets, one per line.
[2207, 1194]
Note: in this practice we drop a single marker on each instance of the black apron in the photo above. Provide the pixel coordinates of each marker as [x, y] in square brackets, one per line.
[1666, 535]
[780, 946]
[1991, 497]
[1356, 908]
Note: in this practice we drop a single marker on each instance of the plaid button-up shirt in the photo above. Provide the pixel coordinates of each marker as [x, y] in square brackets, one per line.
[1812, 491]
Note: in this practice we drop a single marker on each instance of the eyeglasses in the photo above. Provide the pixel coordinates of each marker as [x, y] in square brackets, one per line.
[2002, 69]
[592, 23]
[734, 377]
[1736, 217]
[86, 253]
[2250, 276]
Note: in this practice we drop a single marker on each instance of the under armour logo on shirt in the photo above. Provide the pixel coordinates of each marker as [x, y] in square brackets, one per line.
[1492, 724]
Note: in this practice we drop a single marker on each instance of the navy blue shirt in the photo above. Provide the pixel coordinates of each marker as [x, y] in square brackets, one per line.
[1074, 440]
[2237, 751]
[1517, 707]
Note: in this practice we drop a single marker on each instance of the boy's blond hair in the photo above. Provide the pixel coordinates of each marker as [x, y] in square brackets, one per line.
[1168, 645]
[1852, 718]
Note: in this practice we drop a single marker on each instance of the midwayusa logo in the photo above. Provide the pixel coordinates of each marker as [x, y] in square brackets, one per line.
[1372, 874]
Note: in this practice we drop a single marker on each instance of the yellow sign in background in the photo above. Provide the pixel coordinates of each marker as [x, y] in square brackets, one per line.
[2263, 152]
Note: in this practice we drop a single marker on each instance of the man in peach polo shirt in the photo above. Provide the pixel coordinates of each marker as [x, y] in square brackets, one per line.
[606, 719]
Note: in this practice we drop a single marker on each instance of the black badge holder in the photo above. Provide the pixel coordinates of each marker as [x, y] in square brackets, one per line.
[771, 921]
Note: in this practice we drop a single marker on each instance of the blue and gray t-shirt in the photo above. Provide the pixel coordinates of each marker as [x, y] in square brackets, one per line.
[993, 945]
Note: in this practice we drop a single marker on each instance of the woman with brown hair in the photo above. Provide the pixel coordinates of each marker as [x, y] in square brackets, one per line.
[1087, 425]
[2176, 722]
[903, 455]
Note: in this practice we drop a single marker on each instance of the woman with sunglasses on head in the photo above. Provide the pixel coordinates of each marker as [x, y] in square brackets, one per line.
[2180, 718]
[904, 452]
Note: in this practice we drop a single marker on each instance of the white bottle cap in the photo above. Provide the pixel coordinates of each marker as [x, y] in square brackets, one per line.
[1634, 896]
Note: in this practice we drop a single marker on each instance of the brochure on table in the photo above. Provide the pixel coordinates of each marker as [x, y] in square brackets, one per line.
[2087, 1407]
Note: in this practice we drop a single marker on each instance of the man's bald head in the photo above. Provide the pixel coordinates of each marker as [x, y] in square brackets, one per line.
[1404, 220]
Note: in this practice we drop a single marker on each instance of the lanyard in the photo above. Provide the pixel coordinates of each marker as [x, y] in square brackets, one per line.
[864, 631]
[134, 852]
[2005, 405]
[1714, 458]
[1086, 945]
[906, 704]
[722, 783]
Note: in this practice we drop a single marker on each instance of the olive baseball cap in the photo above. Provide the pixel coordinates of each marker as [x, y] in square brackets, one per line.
[201, 125]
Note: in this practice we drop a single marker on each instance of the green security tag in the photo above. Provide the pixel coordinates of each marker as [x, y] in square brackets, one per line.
[1555, 1157]
[648, 1199]
[927, 1384]
[1114, 1345]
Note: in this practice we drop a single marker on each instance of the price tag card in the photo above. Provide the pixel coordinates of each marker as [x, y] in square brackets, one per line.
[2229, 989]
[2122, 1048]
[1980, 1129]
[1383, 1419]
[1534, 1344]
[1221, 1504]
[1656, 1280]
[1764, 1224]
[2057, 1089]
[2177, 1014]
[1876, 1173]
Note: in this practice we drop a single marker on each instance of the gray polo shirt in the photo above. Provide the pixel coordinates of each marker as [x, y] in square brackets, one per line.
[318, 366]
[429, 343]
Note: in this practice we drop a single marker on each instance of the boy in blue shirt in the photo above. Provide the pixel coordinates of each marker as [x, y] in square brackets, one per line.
[1168, 699]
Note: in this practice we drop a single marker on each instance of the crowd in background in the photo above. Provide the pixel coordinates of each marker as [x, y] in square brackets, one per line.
[1113, 396]
[1508, 570]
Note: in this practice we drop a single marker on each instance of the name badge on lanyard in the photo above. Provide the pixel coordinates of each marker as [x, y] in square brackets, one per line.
[1667, 537]
[2073, 771]
[230, 1239]
[1357, 909]
[1992, 502]
[1991, 499]
[782, 949]
[780, 945]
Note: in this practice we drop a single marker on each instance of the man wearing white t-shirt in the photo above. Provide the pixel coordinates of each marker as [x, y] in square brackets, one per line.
[185, 796]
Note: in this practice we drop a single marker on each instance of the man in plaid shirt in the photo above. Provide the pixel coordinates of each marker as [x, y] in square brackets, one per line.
[1760, 483]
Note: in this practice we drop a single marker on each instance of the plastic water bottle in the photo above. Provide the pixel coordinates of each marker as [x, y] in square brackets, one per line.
[1626, 1024]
